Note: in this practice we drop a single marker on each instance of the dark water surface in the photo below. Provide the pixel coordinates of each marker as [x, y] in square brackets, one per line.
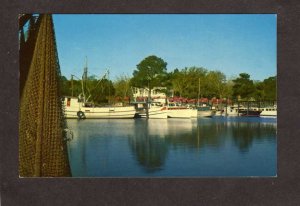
[205, 147]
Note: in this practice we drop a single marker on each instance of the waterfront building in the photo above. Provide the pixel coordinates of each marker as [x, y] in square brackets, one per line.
[157, 94]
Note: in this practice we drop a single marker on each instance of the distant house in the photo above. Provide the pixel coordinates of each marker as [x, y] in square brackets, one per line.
[157, 94]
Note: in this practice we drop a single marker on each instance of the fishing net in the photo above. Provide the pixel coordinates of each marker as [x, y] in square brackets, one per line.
[42, 142]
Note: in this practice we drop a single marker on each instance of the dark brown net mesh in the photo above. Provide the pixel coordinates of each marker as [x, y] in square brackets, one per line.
[42, 144]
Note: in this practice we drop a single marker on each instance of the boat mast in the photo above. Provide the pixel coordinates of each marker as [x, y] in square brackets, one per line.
[108, 87]
[198, 91]
[84, 78]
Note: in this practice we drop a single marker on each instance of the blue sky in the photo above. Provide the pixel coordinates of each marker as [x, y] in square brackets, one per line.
[229, 43]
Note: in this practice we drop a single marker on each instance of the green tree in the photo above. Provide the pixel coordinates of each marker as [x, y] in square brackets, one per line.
[270, 88]
[259, 93]
[243, 86]
[151, 72]
[186, 81]
[122, 87]
[228, 89]
[102, 92]
[65, 86]
[217, 84]
[180, 81]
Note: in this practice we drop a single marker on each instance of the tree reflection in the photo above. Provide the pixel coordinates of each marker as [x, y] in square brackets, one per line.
[150, 150]
[202, 134]
[152, 143]
[245, 133]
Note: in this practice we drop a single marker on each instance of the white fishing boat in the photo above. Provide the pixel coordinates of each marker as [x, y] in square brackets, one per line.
[75, 108]
[178, 111]
[83, 109]
[156, 110]
[268, 112]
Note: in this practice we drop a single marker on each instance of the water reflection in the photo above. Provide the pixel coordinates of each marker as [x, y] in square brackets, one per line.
[244, 134]
[148, 144]
[147, 147]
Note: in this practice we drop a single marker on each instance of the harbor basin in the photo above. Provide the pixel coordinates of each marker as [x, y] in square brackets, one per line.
[203, 147]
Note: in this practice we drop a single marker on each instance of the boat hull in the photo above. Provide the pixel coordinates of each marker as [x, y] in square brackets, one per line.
[101, 113]
[155, 113]
[208, 113]
[74, 109]
[268, 114]
[250, 113]
[179, 113]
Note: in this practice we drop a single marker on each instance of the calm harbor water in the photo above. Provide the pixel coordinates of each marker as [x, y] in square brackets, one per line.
[204, 147]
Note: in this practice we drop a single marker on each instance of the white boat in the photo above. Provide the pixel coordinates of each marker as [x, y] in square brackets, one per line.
[268, 112]
[205, 111]
[156, 111]
[231, 111]
[74, 108]
[81, 108]
[242, 111]
[194, 113]
[178, 111]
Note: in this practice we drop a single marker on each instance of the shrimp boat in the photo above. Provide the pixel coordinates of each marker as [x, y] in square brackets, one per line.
[75, 108]
[83, 109]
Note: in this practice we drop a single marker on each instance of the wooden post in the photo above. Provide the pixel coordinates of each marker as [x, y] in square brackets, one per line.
[148, 100]
[238, 108]
[248, 102]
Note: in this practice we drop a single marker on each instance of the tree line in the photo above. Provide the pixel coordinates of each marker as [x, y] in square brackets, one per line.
[188, 82]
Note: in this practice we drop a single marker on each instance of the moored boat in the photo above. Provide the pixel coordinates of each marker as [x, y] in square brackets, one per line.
[249, 113]
[156, 110]
[205, 111]
[241, 111]
[268, 112]
[231, 111]
[75, 108]
[180, 111]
